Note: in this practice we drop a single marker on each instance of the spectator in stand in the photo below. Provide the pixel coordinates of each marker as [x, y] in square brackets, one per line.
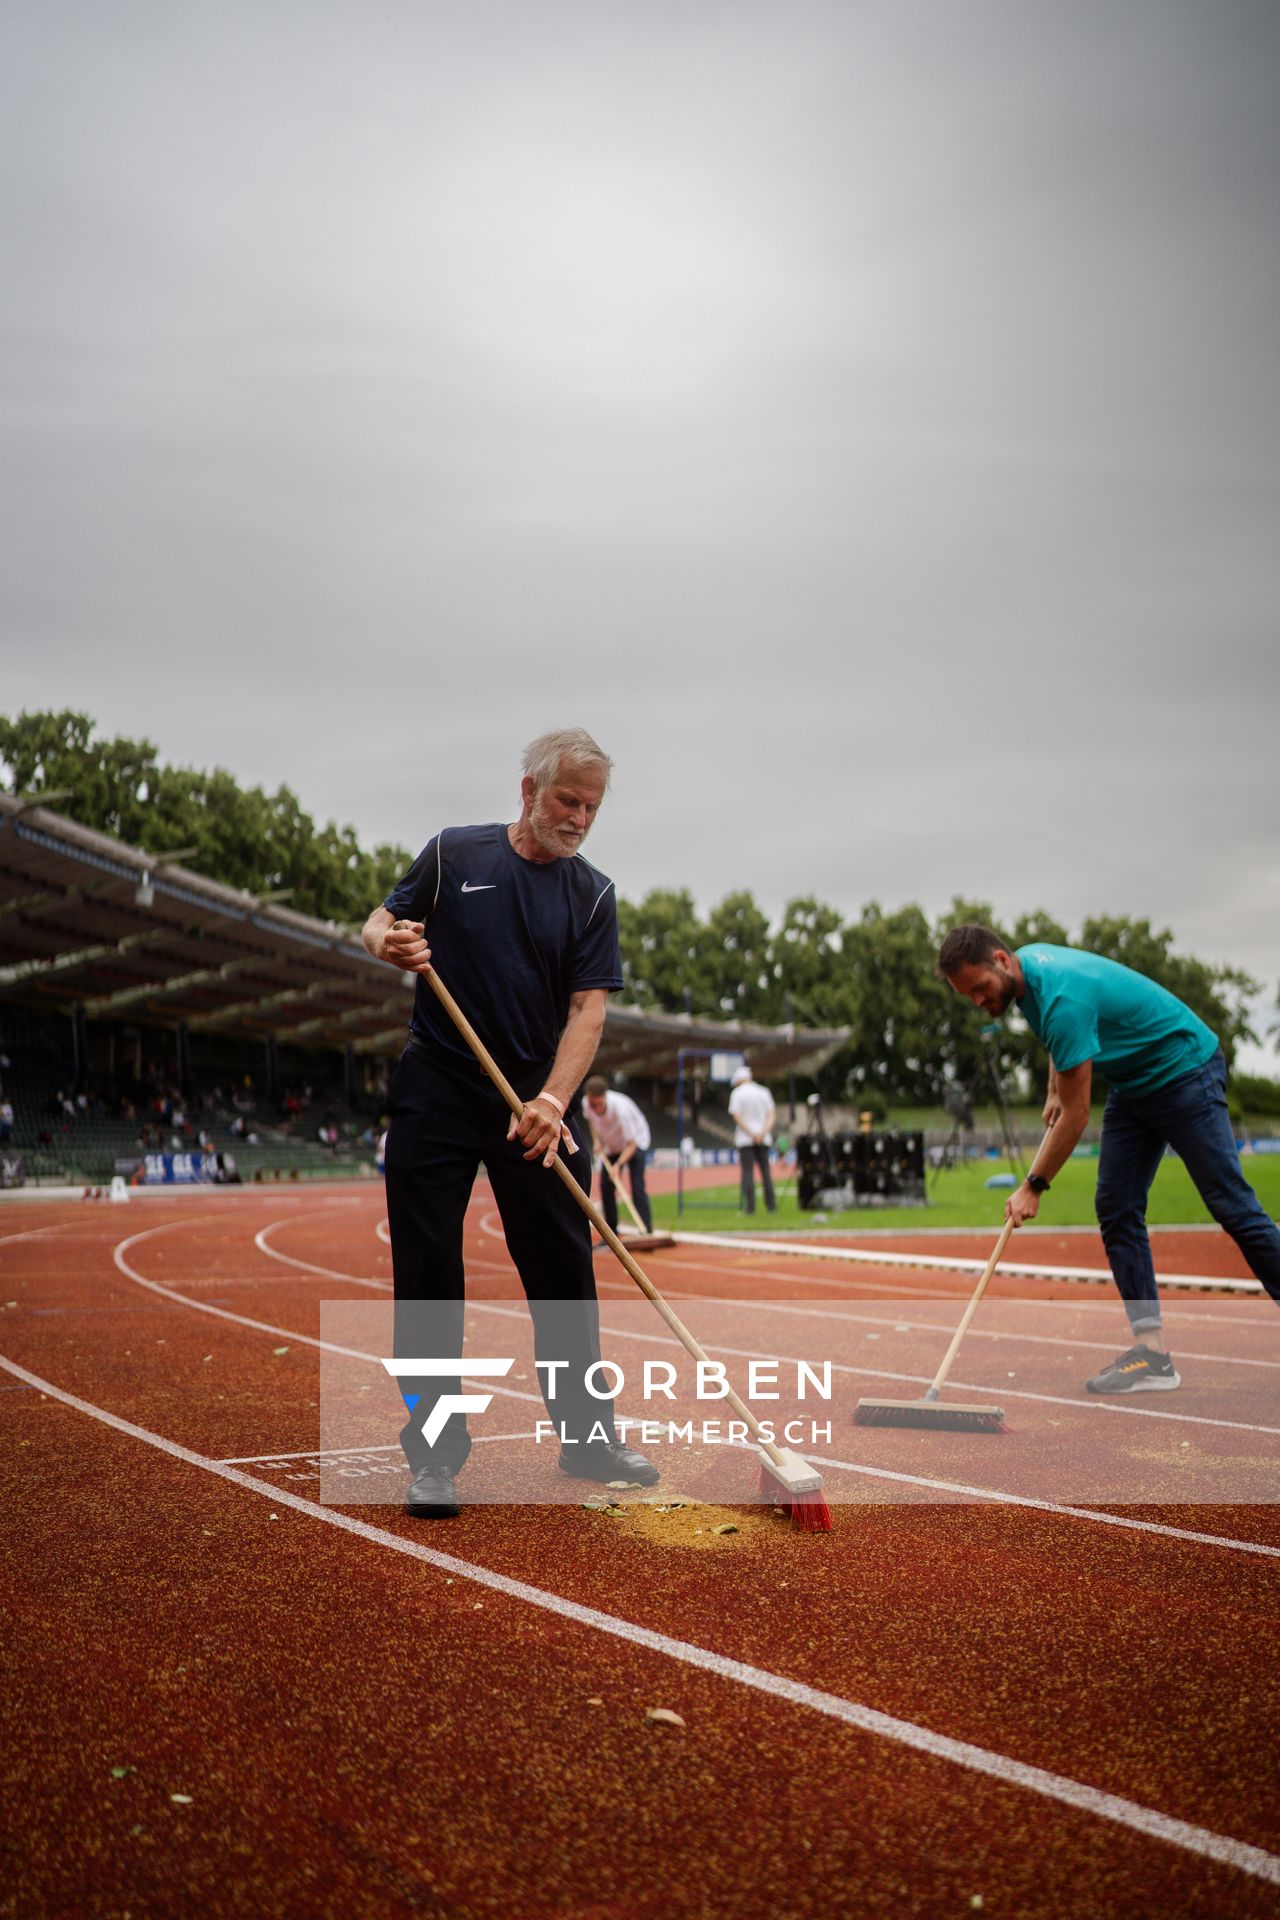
[6, 1122]
[752, 1110]
[620, 1130]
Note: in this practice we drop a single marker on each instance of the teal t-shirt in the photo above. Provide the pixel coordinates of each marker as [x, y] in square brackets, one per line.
[1140, 1036]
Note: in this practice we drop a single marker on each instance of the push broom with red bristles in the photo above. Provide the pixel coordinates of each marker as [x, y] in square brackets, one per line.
[795, 1485]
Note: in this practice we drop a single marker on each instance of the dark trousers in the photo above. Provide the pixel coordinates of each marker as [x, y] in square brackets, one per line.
[444, 1123]
[1190, 1115]
[748, 1159]
[634, 1169]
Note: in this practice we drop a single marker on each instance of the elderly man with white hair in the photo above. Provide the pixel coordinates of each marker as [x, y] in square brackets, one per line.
[752, 1110]
[525, 933]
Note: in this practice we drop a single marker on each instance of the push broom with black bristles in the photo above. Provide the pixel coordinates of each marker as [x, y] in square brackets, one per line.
[795, 1485]
[956, 1416]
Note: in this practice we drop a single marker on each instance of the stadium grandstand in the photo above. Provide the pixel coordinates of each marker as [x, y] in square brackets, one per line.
[158, 1025]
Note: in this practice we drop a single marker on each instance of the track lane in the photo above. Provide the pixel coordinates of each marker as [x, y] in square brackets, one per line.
[1070, 1799]
[529, 1548]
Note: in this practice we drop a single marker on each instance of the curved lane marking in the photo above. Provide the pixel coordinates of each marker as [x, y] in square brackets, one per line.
[268, 1326]
[310, 1266]
[1205, 1844]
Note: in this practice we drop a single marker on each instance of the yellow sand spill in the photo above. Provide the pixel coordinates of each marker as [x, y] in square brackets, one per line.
[675, 1520]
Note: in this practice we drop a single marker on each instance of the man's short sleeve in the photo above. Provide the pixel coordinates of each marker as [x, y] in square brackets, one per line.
[1071, 1033]
[413, 897]
[597, 960]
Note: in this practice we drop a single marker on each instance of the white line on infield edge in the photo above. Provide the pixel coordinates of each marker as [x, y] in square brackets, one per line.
[808, 1251]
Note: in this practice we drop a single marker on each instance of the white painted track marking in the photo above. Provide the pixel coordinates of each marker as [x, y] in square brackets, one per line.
[898, 1324]
[309, 1266]
[1047, 1506]
[515, 1312]
[342, 1453]
[844, 1286]
[268, 1326]
[1098, 1404]
[1129, 1814]
[960, 1264]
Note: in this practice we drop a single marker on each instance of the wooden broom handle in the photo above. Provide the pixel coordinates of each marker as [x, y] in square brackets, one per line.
[969, 1312]
[996, 1257]
[620, 1190]
[593, 1212]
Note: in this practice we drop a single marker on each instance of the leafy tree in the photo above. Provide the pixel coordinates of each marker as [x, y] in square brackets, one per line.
[664, 952]
[739, 962]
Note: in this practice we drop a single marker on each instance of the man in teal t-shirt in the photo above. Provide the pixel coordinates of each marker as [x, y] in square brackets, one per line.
[1166, 1087]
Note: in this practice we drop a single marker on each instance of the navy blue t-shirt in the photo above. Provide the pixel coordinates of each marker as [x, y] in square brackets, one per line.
[513, 939]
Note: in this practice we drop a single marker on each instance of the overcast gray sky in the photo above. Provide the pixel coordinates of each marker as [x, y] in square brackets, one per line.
[864, 417]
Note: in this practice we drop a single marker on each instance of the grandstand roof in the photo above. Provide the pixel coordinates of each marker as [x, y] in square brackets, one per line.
[87, 919]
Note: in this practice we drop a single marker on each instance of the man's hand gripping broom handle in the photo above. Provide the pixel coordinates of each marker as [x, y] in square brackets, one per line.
[593, 1213]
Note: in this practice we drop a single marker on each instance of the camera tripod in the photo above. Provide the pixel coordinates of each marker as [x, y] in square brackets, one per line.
[961, 1105]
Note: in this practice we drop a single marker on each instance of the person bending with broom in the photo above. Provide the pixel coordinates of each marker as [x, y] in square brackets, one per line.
[525, 932]
[620, 1130]
[1166, 1086]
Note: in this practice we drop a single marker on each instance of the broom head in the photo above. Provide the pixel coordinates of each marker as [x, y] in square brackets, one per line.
[646, 1242]
[792, 1484]
[958, 1417]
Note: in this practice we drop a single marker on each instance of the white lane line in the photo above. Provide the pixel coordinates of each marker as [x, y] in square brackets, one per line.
[1184, 1311]
[898, 1324]
[211, 1282]
[1047, 1506]
[35, 1233]
[268, 1326]
[331, 1273]
[513, 1312]
[960, 1264]
[343, 1453]
[1099, 1404]
[1205, 1844]
[842, 1284]
[310, 1266]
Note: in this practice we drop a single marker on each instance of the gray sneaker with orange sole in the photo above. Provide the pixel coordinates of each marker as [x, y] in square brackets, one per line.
[1141, 1370]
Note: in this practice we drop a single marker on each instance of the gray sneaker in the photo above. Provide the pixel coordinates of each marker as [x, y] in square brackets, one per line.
[1141, 1370]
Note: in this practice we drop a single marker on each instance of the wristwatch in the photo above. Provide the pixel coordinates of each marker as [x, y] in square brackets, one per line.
[1037, 1183]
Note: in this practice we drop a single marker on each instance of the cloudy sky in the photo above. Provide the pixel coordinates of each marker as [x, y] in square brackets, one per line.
[864, 417]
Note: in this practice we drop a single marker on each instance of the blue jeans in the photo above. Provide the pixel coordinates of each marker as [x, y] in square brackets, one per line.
[1189, 1115]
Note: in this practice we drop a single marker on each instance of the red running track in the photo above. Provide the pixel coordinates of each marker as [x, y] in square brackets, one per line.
[226, 1697]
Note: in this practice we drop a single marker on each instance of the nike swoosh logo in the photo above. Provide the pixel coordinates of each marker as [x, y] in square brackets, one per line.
[487, 888]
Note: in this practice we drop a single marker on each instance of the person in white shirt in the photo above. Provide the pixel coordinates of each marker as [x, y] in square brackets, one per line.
[619, 1129]
[753, 1113]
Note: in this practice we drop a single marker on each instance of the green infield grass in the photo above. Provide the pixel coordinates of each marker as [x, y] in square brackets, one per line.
[959, 1197]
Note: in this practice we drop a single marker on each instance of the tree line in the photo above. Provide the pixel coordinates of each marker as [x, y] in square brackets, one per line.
[243, 836]
[910, 1035]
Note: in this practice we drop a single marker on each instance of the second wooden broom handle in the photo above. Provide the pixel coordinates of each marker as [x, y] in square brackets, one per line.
[969, 1311]
[996, 1257]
